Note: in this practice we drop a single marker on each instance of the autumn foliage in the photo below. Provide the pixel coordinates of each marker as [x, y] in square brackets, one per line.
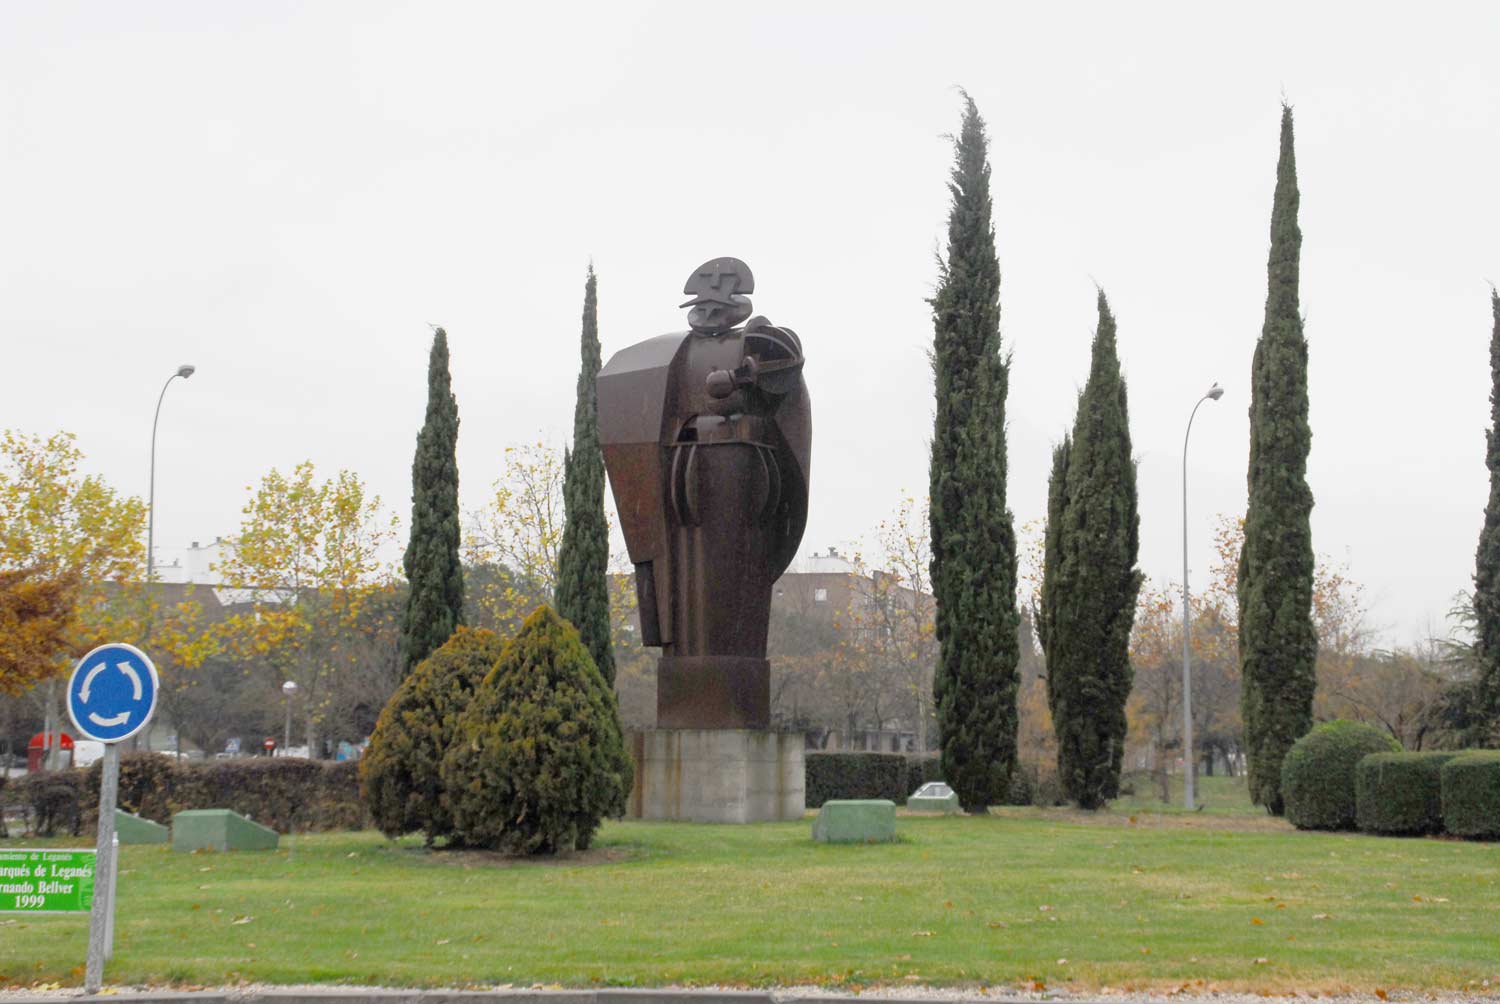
[66, 542]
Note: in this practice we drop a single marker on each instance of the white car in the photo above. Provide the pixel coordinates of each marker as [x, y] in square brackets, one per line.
[933, 789]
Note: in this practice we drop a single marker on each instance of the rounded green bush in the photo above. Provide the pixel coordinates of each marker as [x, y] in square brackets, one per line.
[538, 759]
[1400, 793]
[1471, 795]
[401, 772]
[1317, 776]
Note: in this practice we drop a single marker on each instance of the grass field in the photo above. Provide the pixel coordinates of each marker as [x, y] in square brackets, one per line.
[1024, 895]
[1216, 796]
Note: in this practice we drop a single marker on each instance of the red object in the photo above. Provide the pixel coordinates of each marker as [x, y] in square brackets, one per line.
[270, 744]
[36, 750]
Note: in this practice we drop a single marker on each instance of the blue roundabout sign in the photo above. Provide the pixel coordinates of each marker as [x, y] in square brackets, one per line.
[112, 692]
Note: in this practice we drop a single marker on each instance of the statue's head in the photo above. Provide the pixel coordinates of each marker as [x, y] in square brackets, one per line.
[718, 289]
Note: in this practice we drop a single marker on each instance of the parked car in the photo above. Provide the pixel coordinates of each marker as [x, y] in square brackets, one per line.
[932, 789]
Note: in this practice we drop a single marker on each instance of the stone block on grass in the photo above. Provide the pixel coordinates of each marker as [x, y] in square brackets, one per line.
[219, 830]
[132, 829]
[947, 804]
[855, 821]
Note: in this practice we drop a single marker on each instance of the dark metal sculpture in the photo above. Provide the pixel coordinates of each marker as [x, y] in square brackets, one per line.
[707, 438]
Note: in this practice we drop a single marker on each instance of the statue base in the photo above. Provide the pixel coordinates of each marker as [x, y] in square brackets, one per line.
[713, 692]
[717, 775]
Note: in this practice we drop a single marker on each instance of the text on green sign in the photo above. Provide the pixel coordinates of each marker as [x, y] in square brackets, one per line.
[40, 880]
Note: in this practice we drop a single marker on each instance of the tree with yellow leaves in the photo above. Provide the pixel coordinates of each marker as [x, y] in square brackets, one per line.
[65, 537]
[308, 557]
[512, 543]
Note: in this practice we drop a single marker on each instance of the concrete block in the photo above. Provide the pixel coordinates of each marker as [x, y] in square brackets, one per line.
[717, 775]
[135, 830]
[220, 830]
[945, 804]
[855, 821]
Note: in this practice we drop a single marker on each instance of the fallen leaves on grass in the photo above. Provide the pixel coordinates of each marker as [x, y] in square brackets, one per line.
[242, 920]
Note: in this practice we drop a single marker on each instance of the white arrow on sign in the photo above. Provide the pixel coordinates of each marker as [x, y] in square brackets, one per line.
[135, 681]
[83, 692]
[119, 719]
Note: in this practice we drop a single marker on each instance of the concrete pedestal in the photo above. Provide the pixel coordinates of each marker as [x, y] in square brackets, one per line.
[717, 775]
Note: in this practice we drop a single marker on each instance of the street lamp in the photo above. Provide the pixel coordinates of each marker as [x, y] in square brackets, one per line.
[1189, 801]
[288, 689]
[183, 371]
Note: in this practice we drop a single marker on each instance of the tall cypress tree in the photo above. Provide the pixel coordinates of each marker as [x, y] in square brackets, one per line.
[1487, 561]
[1090, 580]
[1052, 549]
[435, 602]
[583, 558]
[1278, 643]
[973, 537]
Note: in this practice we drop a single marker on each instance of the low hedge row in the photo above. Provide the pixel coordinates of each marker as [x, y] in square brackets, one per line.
[1471, 795]
[286, 793]
[892, 776]
[895, 776]
[1400, 793]
[1317, 776]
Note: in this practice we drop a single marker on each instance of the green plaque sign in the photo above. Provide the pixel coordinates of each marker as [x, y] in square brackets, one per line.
[46, 880]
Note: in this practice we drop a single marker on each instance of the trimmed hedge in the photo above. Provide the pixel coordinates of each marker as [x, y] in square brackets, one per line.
[52, 801]
[892, 776]
[1471, 795]
[1317, 776]
[1400, 793]
[286, 793]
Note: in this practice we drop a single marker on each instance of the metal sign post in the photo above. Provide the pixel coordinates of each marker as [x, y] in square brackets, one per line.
[111, 696]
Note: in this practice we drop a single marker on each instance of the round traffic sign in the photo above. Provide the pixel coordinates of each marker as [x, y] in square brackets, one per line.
[112, 692]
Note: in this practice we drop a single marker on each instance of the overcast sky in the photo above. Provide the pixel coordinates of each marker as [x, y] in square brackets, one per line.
[285, 194]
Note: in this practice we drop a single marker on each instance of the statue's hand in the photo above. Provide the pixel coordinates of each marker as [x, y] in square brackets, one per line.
[720, 384]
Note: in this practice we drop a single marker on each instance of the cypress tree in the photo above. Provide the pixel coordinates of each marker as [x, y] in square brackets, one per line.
[1090, 580]
[973, 536]
[435, 602]
[1278, 643]
[583, 557]
[1487, 561]
[1057, 507]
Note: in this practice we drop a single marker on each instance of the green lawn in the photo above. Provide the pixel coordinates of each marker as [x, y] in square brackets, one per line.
[1168, 899]
[1217, 795]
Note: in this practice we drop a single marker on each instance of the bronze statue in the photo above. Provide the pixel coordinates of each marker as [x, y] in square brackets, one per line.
[707, 438]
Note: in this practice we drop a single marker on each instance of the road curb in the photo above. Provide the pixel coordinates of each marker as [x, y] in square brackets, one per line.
[506, 996]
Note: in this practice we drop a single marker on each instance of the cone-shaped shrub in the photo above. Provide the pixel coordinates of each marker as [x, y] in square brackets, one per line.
[538, 760]
[1317, 776]
[1400, 793]
[401, 772]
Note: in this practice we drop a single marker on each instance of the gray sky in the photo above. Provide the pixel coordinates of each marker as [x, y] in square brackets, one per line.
[285, 193]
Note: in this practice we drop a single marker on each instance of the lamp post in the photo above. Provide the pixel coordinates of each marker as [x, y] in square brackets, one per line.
[1189, 799]
[183, 371]
[288, 689]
